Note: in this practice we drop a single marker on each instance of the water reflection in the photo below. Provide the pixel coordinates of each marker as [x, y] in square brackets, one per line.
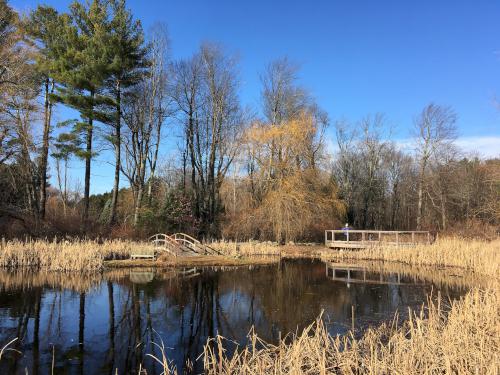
[96, 325]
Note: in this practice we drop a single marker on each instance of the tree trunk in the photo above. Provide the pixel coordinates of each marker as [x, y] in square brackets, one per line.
[137, 207]
[154, 161]
[45, 149]
[88, 159]
[117, 144]
[443, 212]
[420, 196]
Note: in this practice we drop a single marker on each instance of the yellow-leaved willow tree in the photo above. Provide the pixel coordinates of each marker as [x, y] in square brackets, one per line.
[289, 194]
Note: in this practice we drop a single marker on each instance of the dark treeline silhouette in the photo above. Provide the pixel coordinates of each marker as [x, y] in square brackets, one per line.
[276, 176]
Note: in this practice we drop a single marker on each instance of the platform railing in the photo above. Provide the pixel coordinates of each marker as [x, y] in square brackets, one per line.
[370, 237]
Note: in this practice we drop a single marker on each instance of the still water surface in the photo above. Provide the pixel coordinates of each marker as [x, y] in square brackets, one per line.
[96, 327]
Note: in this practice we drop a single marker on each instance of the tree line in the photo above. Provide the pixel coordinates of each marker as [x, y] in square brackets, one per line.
[274, 173]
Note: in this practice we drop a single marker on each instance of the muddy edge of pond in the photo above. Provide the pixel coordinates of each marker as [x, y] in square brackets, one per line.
[164, 261]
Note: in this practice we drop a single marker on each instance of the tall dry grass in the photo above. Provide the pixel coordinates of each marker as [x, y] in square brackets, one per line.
[84, 255]
[475, 255]
[249, 248]
[463, 339]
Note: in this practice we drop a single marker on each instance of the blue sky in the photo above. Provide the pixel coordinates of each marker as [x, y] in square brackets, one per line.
[357, 57]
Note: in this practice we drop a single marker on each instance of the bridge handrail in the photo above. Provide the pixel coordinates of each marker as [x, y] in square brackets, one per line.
[171, 245]
[330, 236]
[182, 241]
[186, 237]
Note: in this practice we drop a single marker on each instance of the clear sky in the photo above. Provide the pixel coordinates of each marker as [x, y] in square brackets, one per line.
[357, 57]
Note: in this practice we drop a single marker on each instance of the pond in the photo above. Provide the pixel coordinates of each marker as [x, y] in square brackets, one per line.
[95, 325]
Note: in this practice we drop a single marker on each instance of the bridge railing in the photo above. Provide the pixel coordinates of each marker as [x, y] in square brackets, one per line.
[377, 236]
[179, 243]
[166, 242]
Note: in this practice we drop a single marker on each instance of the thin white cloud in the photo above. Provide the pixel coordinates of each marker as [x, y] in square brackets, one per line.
[481, 146]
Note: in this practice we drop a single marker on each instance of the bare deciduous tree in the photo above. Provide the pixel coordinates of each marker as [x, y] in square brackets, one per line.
[435, 129]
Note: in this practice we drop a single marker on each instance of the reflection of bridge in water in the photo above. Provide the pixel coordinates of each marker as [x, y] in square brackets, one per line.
[351, 273]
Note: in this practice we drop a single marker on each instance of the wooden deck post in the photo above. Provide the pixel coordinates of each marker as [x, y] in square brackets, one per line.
[413, 237]
[397, 239]
[363, 236]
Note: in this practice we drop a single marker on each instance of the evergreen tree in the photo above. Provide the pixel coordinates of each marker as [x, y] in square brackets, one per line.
[127, 64]
[44, 27]
[82, 70]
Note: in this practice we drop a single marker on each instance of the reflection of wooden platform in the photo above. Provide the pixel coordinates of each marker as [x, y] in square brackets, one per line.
[351, 273]
[362, 239]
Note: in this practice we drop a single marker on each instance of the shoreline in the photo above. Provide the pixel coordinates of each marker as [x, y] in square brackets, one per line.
[192, 261]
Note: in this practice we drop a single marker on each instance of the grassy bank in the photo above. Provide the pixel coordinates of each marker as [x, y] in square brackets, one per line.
[94, 256]
[168, 261]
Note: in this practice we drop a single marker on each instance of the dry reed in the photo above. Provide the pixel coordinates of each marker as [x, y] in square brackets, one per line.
[84, 256]
[250, 248]
[478, 256]
[461, 339]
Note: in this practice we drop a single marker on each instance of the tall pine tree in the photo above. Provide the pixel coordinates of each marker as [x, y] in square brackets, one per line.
[82, 70]
[44, 26]
[127, 64]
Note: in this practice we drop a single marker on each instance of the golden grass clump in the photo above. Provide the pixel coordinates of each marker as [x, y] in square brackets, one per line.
[464, 339]
[475, 255]
[85, 255]
[249, 248]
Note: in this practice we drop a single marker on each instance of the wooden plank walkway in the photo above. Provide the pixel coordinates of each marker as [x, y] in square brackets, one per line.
[362, 239]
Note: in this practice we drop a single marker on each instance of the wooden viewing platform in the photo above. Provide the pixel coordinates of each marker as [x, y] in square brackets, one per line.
[362, 239]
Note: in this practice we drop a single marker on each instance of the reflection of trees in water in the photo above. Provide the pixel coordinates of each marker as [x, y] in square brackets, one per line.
[22, 307]
[183, 312]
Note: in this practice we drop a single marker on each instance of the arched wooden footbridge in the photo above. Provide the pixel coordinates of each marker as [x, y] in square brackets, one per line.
[177, 244]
